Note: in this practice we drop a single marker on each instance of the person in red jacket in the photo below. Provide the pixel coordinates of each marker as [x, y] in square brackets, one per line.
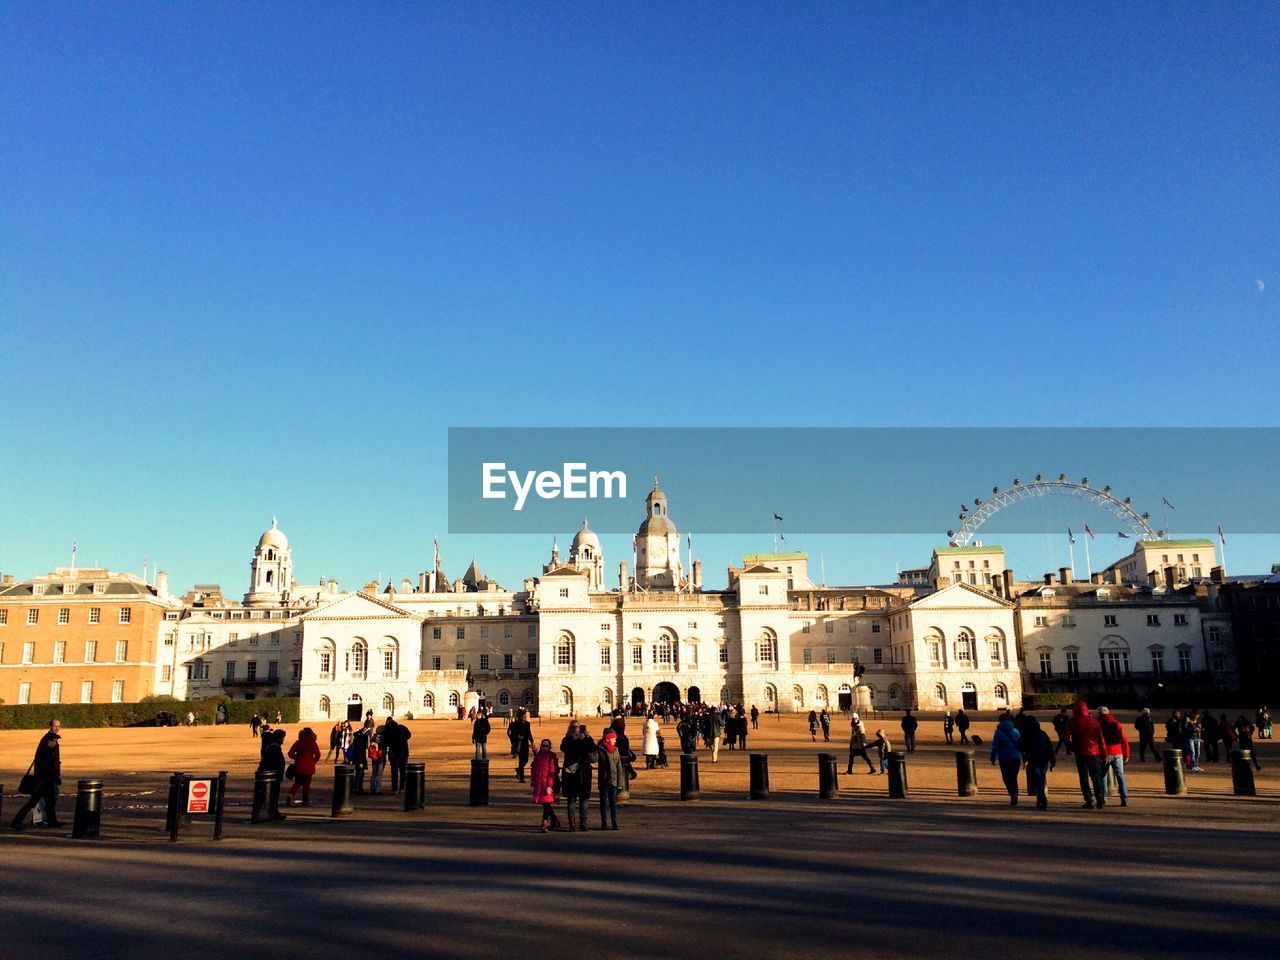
[1117, 755]
[1084, 739]
[305, 754]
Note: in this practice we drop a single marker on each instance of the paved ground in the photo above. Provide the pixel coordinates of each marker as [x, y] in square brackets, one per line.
[720, 877]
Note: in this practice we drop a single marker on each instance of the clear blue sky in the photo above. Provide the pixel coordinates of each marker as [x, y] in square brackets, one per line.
[255, 259]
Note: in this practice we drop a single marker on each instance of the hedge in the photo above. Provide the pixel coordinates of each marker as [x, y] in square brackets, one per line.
[36, 716]
[1048, 701]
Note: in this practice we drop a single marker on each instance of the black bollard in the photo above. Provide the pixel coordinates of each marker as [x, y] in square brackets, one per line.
[897, 774]
[479, 783]
[966, 774]
[266, 795]
[689, 789]
[828, 777]
[759, 776]
[171, 810]
[1, 803]
[88, 816]
[1242, 773]
[1175, 784]
[344, 776]
[415, 780]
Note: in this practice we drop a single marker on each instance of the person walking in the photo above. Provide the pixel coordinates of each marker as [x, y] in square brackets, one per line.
[1084, 739]
[271, 760]
[715, 733]
[1193, 731]
[742, 725]
[1116, 746]
[1060, 722]
[962, 725]
[1146, 727]
[545, 774]
[1041, 757]
[1175, 734]
[335, 734]
[578, 750]
[1244, 737]
[1006, 750]
[611, 778]
[824, 721]
[1212, 734]
[755, 723]
[46, 774]
[521, 736]
[883, 746]
[1263, 721]
[395, 741]
[305, 754]
[254, 723]
[480, 734]
[813, 726]
[650, 747]
[858, 744]
[948, 728]
[360, 756]
[909, 726]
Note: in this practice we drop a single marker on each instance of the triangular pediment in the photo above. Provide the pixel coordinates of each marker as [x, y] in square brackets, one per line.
[960, 595]
[359, 605]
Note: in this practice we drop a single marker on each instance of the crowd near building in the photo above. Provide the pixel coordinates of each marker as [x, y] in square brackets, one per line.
[962, 632]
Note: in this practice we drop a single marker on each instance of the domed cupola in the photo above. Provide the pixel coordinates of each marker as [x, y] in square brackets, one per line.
[658, 546]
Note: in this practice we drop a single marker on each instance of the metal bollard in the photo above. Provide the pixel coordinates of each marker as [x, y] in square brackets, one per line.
[1175, 783]
[966, 774]
[415, 782]
[479, 783]
[897, 774]
[759, 776]
[266, 795]
[1, 803]
[171, 809]
[689, 787]
[88, 816]
[1242, 773]
[828, 777]
[344, 777]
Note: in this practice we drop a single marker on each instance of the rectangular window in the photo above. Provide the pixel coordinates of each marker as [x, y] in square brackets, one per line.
[506, 632]
[484, 632]
[808, 656]
[995, 652]
[508, 661]
[533, 659]
[829, 626]
[1184, 661]
[117, 691]
[86, 691]
[935, 653]
[606, 656]
[564, 592]
[1046, 665]
[326, 663]
[435, 663]
[91, 651]
[253, 638]
[231, 670]
[764, 589]
[64, 615]
[1179, 619]
[33, 616]
[55, 692]
[1073, 664]
[875, 627]
[1219, 663]
[831, 655]
[637, 655]
[251, 670]
[1068, 620]
[877, 655]
[724, 653]
[460, 633]
[166, 673]
[232, 637]
[1153, 619]
[435, 633]
[1157, 662]
[1215, 634]
[1109, 620]
[805, 627]
[484, 661]
[1115, 663]
[1042, 621]
[851, 625]
[460, 663]
[60, 651]
[126, 613]
[24, 693]
[273, 669]
[388, 662]
[95, 614]
[122, 651]
[4, 617]
[29, 652]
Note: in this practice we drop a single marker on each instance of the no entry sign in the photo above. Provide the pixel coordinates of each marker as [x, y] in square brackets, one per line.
[198, 796]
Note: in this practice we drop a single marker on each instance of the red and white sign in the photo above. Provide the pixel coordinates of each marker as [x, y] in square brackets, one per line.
[198, 796]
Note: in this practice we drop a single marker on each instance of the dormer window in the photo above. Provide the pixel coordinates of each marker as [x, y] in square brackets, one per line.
[68, 588]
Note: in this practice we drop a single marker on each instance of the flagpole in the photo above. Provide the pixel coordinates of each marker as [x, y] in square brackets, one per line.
[1088, 563]
[1071, 552]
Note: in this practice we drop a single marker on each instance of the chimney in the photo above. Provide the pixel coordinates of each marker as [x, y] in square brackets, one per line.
[6, 580]
[1064, 575]
[1154, 578]
[1007, 576]
[1168, 579]
[370, 589]
[1048, 579]
[1116, 576]
[333, 585]
[162, 584]
[424, 581]
[1213, 596]
[1096, 578]
[622, 576]
[938, 584]
[1217, 575]
[697, 574]
[406, 586]
[997, 585]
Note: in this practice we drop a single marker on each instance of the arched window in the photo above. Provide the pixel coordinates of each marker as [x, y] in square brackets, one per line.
[767, 648]
[964, 648]
[358, 660]
[820, 696]
[324, 706]
[724, 695]
[429, 701]
[528, 697]
[563, 653]
[606, 699]
[453, 699]
[504, 698]
[268, 576]
[797, 696]
[1002, 694]
[390, 652]
[664, 652]
[770, 694]
[939, 693]
[388, 704]
[271, 554]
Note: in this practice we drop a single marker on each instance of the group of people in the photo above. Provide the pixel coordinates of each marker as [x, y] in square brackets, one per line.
[582, 762]
[860, 746]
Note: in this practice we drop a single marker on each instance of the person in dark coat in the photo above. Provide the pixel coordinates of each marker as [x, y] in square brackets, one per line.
[395, 741]
[824, 721]
[520, 733]
[272, 761]
[46, 768]
[1146, 728]
[611, 778]
[1041, 757]
[624, 746]
[909, 727]
[1060, 721]
[360, 756]
[1006, 750]
[254, 723]
[962, 724]
[948, 728]
[480, 728]
[577, 752]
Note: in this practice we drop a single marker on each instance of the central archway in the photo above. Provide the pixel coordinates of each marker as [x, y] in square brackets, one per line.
[666, 692]
[695, 695]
